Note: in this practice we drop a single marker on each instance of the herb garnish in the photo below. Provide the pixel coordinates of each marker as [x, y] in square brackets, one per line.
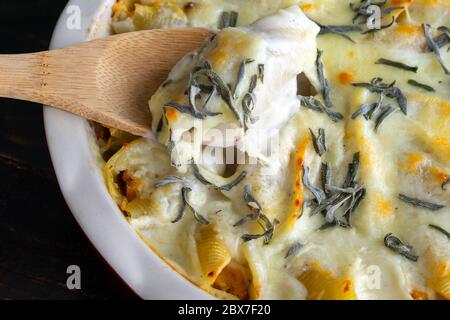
[398, 65]
[381, 27]
[352, 172]
[227, 187]
[182, 209]
[434, 47]
[326, 177]
[365, 110]
[171, 146]
[389, 90]
[441, 41]
[383, 90]
[247, 218]
[445, 30]
[253, 83]
[248, 104]
[319, 141]
[293, 250]
[442, 230]
[185, 204]
[206, 110]
[349, 196]
[223, 89]
[256, 215]
[385, 112]
[348, 190]
[444, 38]
[396, 245]
[228, 19]
[365, 11]
[314, 104]
[421, 85]
[241, 74]
[234, 16]
[261, 72]
[420, 203]
[248, 101]
[390, 9]
[330, 216]
[324, 83]
[371, 109]
[218, 86]
[192, 92]
[198, 175]
[267, 225]
[356, 201]
[321, 208]
[338, 30]
[168, 180]
[319, 195]
[234, 183]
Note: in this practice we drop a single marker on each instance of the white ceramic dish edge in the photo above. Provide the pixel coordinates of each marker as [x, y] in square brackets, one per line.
[71, 148]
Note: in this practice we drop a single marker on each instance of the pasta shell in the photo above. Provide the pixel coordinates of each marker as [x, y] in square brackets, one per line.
[212, 253]
[116, 140]
[126, 6]
[440, 279]
[235, 280]
[167, 15]
[143, 161]
[323, 285]
[139, 207]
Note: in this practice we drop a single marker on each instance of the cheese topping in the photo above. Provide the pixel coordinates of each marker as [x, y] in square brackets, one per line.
[292, 164]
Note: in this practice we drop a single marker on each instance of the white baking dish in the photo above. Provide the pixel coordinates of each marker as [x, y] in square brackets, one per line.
[75, 160]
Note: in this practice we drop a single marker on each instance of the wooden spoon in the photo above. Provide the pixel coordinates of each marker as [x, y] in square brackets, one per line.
[109, 80]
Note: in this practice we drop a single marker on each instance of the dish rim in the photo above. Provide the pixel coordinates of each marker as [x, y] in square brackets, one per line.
[72, 150]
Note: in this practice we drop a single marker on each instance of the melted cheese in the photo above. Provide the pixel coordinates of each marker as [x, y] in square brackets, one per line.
[407, 154]
[274, 43]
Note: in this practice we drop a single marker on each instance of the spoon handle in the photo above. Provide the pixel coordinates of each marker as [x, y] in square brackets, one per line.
[49, 77]
[22, 76]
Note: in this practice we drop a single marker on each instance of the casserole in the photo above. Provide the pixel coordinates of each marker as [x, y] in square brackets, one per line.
[75, 159]
[338, 253]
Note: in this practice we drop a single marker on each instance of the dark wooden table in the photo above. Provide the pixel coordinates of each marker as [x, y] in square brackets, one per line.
[39, 238]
